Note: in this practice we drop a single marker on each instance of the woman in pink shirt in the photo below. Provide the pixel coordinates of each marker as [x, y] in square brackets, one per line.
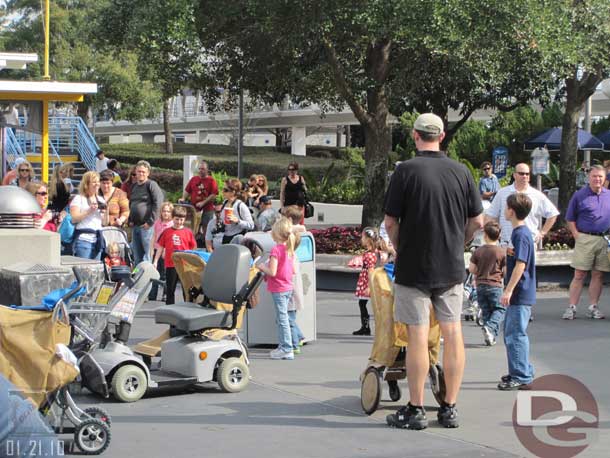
[279, 270]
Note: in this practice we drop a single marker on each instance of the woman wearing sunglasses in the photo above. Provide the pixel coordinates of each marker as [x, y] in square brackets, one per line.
[293, 189]
[46, 219]
[235, 217]
[25, 175]
[129, 181]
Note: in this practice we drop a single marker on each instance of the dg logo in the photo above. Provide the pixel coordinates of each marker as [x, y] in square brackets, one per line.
[557, 418]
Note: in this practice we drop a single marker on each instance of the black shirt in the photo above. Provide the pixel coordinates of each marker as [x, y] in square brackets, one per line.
[294, 193]
[433, 197]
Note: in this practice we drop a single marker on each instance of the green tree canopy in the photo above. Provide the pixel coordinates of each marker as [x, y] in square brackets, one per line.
[378, 57]
[75, 56]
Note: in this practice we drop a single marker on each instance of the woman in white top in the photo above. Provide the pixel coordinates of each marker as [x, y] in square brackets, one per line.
[89, 213]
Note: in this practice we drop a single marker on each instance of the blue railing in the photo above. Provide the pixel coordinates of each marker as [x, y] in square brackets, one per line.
[71, 133]
[13, 148]
[66, 134]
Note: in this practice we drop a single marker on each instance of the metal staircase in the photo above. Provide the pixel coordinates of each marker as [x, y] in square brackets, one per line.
[69, 141]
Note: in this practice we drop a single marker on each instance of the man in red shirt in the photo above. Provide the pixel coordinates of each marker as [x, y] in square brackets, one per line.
[202, 190]
[176, 238]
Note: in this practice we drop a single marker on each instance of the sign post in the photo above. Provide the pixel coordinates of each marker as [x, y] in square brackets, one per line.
[540, 166]
[500, 161]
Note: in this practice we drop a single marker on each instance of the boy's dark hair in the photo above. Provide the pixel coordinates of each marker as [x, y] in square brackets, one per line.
[520, 203]
[492, 230]
[179, 211]
[112, 164]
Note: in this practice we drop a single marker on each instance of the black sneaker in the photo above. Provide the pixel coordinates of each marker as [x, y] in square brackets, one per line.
[408, 417]
[512, 385]
[447, 416]
[505, 378]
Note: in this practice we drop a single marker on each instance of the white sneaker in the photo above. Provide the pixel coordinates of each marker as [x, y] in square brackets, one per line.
[594, 313]
[490, 340]
[280, 354]
[570, 313]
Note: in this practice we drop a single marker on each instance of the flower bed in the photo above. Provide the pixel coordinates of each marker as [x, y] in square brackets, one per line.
[346, 240]
[337, 240]
[560, 239]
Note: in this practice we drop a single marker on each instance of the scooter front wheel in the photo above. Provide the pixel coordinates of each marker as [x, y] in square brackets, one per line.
[233, 375]
[129, 383]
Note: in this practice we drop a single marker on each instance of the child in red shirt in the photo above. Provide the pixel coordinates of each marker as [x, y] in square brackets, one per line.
[114, 256]
[176, 238]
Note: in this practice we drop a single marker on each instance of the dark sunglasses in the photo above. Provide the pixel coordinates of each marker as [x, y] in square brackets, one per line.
[42, 193]
[291, 170]
[24, 170]
[486, 168]
[523, 174]
[227, 190]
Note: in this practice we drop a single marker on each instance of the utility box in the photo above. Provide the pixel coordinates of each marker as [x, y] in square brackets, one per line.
[259, 326]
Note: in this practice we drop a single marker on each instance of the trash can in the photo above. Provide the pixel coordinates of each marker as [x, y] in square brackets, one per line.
[260, 327]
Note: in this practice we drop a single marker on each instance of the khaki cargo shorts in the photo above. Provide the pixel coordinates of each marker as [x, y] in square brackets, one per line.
[591, 253]
[412, 305]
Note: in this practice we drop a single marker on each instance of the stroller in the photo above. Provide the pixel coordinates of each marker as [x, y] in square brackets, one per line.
[115, 235]
[387, 360]
[470, 309]
[44, 368]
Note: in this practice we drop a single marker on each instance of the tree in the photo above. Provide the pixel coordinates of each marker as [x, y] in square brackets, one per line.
[576, 35]
[378, 57]
[168, 48]
[75, 56]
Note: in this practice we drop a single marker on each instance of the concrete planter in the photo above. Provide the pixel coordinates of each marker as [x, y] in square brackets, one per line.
[333, 274]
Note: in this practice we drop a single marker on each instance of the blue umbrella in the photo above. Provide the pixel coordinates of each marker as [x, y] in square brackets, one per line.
[605, 138]
[552, 139]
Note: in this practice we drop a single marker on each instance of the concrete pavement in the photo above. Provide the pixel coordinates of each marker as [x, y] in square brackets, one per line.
[310, 407]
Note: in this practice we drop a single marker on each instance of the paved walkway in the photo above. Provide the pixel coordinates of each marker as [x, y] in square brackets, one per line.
[310, 407]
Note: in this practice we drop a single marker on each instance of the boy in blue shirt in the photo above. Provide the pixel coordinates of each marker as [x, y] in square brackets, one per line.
[519, 295]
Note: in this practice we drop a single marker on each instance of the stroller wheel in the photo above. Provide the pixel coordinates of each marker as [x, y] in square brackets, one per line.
[92, 436]
[370, 391]
[479, 318]
[395, 392]
[233, 375]
[98, 414]
[437, 383]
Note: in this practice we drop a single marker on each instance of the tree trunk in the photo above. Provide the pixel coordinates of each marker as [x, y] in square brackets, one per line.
[167, 128]
[577, 93]
[378, 144]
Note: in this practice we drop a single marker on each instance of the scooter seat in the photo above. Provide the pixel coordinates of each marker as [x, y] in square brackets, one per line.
[189, 317]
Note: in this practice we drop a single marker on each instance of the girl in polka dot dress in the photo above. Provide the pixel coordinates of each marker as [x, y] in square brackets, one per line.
[376, 251]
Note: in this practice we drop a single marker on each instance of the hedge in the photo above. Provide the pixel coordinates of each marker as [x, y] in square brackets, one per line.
[222, 158]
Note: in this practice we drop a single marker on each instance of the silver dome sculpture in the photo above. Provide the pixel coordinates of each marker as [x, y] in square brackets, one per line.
[18, 208]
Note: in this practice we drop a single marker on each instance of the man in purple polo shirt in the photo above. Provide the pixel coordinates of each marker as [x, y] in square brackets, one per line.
[588, 218]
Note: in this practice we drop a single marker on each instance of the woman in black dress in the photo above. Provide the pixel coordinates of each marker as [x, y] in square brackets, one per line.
[293, 188]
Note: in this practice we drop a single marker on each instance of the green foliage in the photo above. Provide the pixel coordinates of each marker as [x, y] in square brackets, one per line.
[601, 126]
[75, 55]
[505, 180]
[471, 142]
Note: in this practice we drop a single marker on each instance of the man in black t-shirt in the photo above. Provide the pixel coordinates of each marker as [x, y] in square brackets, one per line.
[432, 207]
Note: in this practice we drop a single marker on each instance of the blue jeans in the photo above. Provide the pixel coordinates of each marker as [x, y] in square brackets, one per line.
[84, 249]
[517, 343]
[140, 243]
[280, 300]
[295, 331]
[493, 313]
